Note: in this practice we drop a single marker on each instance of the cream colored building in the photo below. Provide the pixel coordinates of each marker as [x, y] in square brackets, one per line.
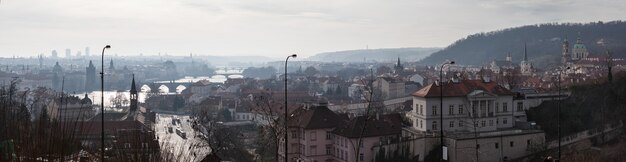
[478, 116]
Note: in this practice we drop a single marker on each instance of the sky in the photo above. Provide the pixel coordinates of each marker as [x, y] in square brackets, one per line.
[274, 28]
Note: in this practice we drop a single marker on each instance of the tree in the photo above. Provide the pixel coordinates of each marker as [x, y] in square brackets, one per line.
[224, 141]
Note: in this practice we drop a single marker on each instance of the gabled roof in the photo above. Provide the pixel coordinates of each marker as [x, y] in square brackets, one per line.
[462, 88]
[318, 117]
[383, 125]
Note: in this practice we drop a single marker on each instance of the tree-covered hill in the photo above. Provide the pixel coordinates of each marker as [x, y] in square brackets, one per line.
[380, 55]
[589, 106]
[543, 41]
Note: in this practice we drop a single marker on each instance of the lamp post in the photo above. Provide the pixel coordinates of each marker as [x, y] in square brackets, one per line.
[286, 111]
[441, 104]
[102, 100]
[559, 111]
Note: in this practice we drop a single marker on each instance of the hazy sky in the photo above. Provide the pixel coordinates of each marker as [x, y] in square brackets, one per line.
[270, 27]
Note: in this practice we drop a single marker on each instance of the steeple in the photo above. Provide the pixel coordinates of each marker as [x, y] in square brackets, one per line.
[133, 88]
[111, 67]
[525, 54]
[398, 61]
[133, 96]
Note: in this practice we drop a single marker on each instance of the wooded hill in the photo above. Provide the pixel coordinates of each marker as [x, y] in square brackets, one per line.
[543, 41]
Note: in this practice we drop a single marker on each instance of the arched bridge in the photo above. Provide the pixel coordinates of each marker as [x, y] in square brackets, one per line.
[165, 86]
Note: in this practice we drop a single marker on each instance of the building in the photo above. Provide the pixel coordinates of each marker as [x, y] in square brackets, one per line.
[478, 116]
[310, 134]
[526, 68]
[90, 77]
[371, 132]
[389, 87]
[579, 51]
[398, 68]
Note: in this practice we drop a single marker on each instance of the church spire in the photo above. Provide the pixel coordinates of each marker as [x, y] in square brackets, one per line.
[525, 54]
[133, 88]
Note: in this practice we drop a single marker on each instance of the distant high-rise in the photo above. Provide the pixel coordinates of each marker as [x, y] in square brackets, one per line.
[87, 51]
[90, 77]
[54, 54]
[68, 53]
[78, 54]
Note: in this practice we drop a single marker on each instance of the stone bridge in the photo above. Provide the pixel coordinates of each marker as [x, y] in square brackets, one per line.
[164, 86]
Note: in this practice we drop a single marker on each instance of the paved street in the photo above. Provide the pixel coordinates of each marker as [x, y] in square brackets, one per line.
[187, 149]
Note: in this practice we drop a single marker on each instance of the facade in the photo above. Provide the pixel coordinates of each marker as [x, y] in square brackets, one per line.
[390, 87]
[476, 115]
[90, 77]
[378, 129]
[310, 138]
[525, 67]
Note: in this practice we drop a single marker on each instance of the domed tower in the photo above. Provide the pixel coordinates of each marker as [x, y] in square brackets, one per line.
[580, 50]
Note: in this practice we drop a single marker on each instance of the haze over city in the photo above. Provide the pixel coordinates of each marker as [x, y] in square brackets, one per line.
[270, 27]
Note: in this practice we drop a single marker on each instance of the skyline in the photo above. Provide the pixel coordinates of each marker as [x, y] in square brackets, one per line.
[269, 28]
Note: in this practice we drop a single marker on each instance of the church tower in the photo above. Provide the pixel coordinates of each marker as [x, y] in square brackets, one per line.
[580, 50]
[398, 67]
[525, 67]
[566, 52]
[90, 77]
[133, 96]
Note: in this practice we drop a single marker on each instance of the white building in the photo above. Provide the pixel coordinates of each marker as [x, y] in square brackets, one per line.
[477, 115]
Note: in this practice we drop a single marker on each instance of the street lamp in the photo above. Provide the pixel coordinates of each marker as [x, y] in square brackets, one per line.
[441, 104]
[559, 110]
[286, 112]
[102, 100]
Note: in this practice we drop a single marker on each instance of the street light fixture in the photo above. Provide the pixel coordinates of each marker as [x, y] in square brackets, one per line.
[102, 100]
[441, 105]
[286, 112]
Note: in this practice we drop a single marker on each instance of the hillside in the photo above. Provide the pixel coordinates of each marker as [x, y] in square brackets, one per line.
[380, 55]
[543, 42]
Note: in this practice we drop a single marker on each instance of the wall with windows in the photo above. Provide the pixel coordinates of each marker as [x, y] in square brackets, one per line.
[494, 147]
[462, 113]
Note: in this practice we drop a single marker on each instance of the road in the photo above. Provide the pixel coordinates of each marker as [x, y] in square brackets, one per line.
[184, 150]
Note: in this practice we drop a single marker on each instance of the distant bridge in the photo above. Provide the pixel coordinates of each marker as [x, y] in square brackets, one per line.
[161, 85]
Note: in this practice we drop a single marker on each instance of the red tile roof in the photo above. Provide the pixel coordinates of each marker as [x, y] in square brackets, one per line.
[383, 125]
[462, 88]
[318, 117]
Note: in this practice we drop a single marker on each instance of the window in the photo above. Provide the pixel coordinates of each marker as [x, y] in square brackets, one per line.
[477, 146]
[361, 157]
[294, 135]
[328, 135]
[461, 109]
[434, 110]
[127, 145]
[511, 143]
[483, 123]
[490, 122]
[451, 124]
[497, 107]
[451, 111]
[497, 144]
[421, 123]
[422, 109]
[313, 150]
[434, 125]
[460, 123]
[328, 149]
[520, 106]
[504, 121]
[527, 142]
[504, 107]
[302, 134]
[313, 136]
